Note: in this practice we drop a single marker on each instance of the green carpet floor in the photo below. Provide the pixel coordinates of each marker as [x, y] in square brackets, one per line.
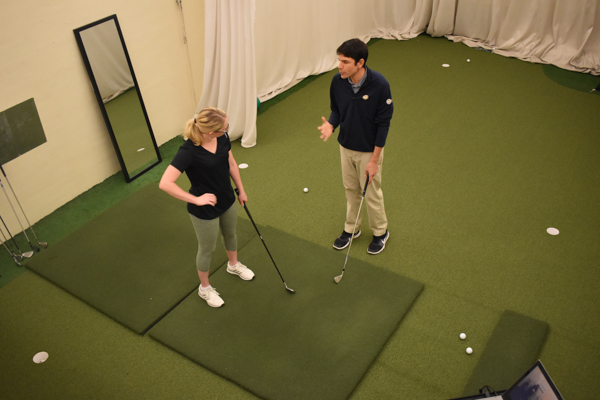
[481, 159]
[314, 344]
[135, 261]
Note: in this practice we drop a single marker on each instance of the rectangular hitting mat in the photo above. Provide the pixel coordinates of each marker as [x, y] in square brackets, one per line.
[316, 343]
[513, 347]
[135, 261]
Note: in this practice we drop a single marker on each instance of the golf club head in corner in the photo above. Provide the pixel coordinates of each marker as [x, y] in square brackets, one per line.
[338, 278]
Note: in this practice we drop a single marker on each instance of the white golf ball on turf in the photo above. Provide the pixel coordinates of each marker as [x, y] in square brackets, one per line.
[463, 336]
[305, 190]
[468, 60]
[469, 350]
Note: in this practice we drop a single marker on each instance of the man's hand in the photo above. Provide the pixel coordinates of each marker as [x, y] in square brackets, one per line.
[326, 129]
[371, 170]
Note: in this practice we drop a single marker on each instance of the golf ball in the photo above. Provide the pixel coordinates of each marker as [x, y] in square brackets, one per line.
[468, 60]
[463, 336]
[469, 350]
[305, 190]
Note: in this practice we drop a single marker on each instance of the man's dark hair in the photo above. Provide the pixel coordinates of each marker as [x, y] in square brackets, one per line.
[355, 49]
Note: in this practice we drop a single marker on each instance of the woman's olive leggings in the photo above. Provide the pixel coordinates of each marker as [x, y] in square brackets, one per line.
[207, 231]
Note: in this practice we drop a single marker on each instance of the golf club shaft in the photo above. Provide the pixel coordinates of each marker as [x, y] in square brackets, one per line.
[354, 230]
[261, 239]
[13, 255]
[263, 242]
[16, 257]
[17, 216]
[9, 234]
[19, 203]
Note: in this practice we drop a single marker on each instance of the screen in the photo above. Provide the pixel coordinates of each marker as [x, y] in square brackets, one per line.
[534, 386]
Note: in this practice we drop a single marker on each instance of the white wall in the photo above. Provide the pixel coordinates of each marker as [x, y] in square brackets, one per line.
[40, 60]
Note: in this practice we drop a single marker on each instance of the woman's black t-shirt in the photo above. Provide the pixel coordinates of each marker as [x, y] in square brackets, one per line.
[208, 173]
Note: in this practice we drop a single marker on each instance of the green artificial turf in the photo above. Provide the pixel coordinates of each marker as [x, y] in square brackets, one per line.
[135, 261]
[481, 159]
[574, 80]
[74, 214]
[316, 343]
[90, 355]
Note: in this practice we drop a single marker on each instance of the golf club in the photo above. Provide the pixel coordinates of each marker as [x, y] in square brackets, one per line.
[34, 248]
[42, 244]
[26, 254]
[338, 278]
[15, 257]
[264, 244]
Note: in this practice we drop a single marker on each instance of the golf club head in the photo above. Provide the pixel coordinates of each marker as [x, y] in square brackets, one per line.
[27, 254]
[18, 263]
[338, 278]
[43, 245]
[289, 289]
[17, 257]
[35, 248]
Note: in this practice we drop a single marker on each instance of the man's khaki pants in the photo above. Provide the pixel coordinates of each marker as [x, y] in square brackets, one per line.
[354, 164]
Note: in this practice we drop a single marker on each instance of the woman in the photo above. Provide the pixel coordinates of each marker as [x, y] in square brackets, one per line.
[208, 163]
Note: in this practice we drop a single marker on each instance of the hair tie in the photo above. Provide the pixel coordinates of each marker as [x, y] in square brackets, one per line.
[195, 121]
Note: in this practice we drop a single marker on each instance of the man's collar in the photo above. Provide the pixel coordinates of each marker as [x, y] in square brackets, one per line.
[362, 80]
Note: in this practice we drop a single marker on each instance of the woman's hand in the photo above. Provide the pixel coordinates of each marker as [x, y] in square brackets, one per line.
[242, 197]
[207, 199]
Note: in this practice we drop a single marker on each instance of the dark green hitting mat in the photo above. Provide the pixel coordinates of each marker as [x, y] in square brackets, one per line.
[514, 346]
[135, 261]
[314, 344]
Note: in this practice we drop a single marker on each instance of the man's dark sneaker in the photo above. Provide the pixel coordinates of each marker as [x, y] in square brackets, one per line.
[378, 243]
[344, 240]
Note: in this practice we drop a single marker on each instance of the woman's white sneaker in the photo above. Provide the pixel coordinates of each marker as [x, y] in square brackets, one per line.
[240, 270]
[211, 296]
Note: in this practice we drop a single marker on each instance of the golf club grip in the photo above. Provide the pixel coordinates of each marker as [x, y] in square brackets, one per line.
[366, 184]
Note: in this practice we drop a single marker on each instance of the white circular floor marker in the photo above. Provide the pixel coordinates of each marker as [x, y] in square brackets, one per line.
[243, 166]
[445, 65]
[552, 231]
[40, 357]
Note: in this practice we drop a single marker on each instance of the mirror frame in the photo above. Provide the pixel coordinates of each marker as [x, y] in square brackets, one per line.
[86, 61]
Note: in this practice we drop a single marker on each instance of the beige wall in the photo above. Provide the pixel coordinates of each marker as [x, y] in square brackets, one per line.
[40, 60]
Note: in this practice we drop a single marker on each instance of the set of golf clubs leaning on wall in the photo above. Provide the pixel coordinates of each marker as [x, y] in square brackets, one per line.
[338, 278]
[18, 256]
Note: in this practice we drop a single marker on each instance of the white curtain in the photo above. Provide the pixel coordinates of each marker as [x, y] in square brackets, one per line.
[565, 33]
[443, 14]
[295, 39]
[259, 48]
[229, 71]
[107, 59]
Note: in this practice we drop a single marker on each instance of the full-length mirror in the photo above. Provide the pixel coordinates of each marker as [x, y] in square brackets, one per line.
[108, 64]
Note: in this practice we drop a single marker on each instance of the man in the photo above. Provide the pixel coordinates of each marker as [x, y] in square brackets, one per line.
[361, 104]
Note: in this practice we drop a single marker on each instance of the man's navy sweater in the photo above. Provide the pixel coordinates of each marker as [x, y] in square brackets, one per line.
[364, 117]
